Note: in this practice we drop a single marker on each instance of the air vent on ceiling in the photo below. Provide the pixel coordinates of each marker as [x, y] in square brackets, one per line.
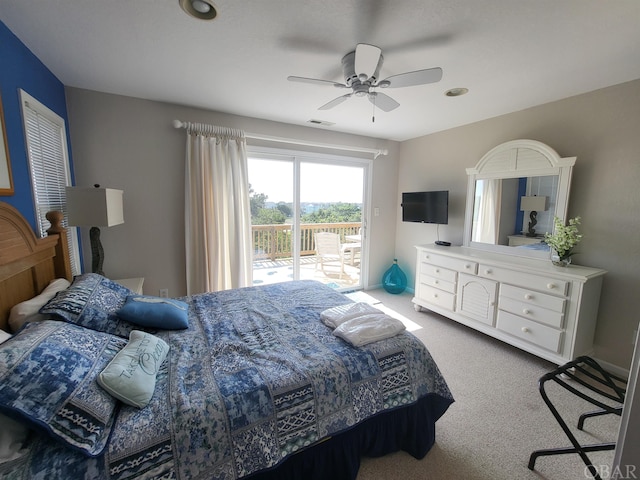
[321, 122]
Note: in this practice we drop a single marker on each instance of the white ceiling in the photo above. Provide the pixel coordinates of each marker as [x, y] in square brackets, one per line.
[510, 54]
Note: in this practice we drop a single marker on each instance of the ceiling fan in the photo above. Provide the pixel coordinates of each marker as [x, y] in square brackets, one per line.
[361, 69]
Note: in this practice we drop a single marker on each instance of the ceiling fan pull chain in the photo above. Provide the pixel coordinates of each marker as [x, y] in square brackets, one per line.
[373, 115]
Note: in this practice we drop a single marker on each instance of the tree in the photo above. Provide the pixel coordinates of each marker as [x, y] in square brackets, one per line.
[261, 215]
[268, 216]
[335, 213]
[256, 201]
[285, 208]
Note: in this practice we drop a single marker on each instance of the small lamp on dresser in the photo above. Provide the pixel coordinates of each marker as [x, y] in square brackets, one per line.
[95, 207]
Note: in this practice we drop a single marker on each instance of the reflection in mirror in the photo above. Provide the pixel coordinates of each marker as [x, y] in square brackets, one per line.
[503, 210]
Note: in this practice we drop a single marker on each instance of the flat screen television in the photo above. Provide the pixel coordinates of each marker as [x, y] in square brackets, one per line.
[426, 207]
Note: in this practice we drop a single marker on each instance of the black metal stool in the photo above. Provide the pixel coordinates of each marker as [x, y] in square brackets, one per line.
[603, 383]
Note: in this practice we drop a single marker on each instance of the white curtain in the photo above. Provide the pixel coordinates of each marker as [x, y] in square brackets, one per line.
[218, 218]
[487, 226]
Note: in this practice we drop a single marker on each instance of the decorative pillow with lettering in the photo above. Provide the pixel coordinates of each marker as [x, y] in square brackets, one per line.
[131, 375]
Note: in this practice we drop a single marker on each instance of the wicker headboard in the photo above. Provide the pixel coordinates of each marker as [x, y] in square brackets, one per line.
[28, 263]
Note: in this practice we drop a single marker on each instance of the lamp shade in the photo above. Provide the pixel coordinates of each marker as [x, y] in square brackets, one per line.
[94, 207]
[533, 204]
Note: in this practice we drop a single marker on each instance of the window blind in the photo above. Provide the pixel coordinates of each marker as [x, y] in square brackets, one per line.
[46, 140]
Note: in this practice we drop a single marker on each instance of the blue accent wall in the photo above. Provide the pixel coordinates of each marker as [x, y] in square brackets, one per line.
[21, 69]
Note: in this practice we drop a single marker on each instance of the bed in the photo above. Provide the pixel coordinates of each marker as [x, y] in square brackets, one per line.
[256, 385]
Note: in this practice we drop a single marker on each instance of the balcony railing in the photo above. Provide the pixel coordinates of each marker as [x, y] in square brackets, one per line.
[274, 241]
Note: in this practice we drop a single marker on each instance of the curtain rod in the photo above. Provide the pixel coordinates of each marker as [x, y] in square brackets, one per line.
[376, 152]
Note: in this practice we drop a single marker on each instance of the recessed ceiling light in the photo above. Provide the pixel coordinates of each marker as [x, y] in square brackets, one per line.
[456, 92]
[202, 9]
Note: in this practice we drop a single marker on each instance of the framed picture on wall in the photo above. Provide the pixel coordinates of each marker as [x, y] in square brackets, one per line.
[6, 181]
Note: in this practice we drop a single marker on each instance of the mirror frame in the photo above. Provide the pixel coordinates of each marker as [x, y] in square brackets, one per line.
[515, 159]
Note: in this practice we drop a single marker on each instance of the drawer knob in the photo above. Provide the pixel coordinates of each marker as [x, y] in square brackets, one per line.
[435, 295]
[467, 266]
[528, 296]
[437, 270]
[526, 311]
[488, 271]
[551, 286]
[525, 330]
[436, 282]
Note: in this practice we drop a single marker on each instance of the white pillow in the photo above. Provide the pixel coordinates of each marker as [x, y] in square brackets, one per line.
[21, 312]
[13, 435]
[4, 336]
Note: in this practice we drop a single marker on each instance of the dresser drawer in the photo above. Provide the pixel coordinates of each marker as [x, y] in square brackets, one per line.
[435, 271]
[531, 311]
[550, 285]
[533, 297]
[436, 296]
[541, 335]
[457, 264]
[439, 282]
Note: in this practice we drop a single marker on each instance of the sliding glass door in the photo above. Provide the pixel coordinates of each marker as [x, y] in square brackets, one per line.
[296, 197]
[272, 218]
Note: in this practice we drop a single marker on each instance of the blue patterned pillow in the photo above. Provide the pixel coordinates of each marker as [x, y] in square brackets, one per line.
[48, 377]
[92, 301]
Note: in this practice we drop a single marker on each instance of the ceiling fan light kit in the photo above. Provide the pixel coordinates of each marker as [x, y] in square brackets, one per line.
[361, 69]
[201, 9]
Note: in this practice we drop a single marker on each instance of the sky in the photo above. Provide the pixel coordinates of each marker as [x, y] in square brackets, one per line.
[318, 183]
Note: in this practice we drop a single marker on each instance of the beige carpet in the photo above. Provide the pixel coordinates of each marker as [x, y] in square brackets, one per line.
[498, 417]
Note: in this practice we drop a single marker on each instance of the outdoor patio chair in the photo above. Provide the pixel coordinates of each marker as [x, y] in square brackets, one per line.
[329, 249]
[352, 246]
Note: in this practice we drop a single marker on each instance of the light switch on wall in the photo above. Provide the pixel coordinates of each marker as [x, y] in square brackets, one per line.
[376, 212]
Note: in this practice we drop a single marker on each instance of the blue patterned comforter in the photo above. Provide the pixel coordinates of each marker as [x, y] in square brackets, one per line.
[256, 377]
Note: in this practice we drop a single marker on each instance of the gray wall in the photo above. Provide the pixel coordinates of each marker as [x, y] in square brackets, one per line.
[130, 144]
[601, 129]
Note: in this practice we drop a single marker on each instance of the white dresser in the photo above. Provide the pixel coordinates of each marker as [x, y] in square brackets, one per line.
[548, 311]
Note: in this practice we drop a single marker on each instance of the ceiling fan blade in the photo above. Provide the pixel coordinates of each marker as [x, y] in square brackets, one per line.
[366, 61]
[409, 79]
[382, 101]
[315, 81]
[335, 102]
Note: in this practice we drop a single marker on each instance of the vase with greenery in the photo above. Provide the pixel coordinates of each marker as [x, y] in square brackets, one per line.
[563, 240]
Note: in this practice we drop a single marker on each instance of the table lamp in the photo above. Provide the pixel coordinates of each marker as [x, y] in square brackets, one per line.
[94, 207]
[534, 205]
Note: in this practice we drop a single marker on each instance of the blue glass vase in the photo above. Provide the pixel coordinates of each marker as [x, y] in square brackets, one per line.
[394, 280]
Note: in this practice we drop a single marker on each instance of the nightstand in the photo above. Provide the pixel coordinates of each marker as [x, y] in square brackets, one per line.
[133, 284]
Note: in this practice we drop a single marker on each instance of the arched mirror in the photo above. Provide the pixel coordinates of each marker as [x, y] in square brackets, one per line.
[513, 194]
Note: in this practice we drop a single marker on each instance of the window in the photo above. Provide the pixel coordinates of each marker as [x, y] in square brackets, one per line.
[46, 139]
[296, 194]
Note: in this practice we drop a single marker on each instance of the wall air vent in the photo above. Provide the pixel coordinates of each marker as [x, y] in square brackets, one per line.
[321, 122]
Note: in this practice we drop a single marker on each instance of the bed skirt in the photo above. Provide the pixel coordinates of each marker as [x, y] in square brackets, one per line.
[411, 429]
